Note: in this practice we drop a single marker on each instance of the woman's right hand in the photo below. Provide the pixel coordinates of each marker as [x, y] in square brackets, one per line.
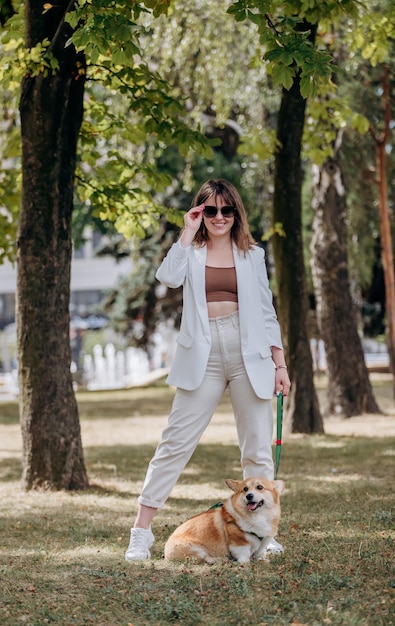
[193, 218]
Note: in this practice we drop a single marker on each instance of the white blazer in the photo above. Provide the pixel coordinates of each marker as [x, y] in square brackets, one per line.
[259, 328]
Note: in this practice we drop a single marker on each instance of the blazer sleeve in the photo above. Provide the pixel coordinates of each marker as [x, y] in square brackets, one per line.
[172, 271]
[272, 326]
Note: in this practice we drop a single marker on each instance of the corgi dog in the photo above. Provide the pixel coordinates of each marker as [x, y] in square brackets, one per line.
[240, 528]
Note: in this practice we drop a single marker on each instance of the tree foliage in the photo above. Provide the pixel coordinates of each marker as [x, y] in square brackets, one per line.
[126, 105]
[286, 43]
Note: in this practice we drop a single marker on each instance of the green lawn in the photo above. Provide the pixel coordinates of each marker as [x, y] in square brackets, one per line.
[61, 554]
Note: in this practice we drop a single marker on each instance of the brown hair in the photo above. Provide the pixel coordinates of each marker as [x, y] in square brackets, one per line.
[240, 232]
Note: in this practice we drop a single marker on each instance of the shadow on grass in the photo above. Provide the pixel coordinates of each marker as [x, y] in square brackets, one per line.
[124, 403]
[131, 462]
[139, 401]
[10, 469]
[319, 456]
[136, 402]
[9, 413]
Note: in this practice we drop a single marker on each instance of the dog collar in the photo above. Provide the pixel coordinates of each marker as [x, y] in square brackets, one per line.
[217, 505]
[255, 535]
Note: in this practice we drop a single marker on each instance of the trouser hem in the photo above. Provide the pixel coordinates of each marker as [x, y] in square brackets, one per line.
[150, 503]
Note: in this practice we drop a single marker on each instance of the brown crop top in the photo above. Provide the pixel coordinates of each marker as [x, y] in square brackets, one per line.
[221, 284]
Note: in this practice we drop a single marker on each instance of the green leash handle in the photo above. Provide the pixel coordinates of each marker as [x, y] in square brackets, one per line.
[279, 429]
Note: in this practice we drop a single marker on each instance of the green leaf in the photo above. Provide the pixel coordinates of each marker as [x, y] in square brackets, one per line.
[307, 87]
[283, 75]
[239, 11]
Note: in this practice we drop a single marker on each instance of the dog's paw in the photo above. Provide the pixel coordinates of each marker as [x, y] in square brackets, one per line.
[210, 560]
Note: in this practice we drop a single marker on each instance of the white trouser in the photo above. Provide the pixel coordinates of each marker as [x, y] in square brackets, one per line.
[192, 411]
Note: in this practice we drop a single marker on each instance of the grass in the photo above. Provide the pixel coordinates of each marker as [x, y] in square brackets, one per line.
[61, 555]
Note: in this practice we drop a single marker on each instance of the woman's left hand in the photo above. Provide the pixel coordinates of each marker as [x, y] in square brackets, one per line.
[282, 381]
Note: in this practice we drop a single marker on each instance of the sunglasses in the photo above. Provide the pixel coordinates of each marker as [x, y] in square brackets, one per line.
[226, 211]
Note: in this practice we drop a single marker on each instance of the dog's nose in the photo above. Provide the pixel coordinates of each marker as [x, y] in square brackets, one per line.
[250, 496]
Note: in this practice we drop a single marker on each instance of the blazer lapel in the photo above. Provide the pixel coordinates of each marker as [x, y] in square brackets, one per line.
[242, 264]
[199, 280]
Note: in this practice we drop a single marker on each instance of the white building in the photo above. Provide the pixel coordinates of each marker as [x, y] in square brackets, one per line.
[91, 276]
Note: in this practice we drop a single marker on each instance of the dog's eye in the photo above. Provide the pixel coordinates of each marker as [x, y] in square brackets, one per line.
[259, 487]
[245, 489]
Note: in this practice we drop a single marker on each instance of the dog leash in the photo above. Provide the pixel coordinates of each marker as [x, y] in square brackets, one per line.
[279, 429]
[278, 439]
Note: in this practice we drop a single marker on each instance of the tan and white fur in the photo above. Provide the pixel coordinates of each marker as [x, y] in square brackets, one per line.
[240, 529]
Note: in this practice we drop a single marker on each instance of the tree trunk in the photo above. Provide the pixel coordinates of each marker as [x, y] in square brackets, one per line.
[302, 413]
[349, 389]
[51, 112]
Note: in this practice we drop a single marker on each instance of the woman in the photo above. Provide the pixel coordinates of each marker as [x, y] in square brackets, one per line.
[229, 337]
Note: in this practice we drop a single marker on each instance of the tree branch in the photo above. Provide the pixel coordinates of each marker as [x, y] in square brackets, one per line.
[62, 32]
[271, 24]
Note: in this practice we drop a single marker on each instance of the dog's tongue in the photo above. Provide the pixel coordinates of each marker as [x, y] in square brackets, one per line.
[252, 506]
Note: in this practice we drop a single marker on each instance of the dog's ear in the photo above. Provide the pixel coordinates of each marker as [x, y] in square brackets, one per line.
[232, 484]
[279, 485]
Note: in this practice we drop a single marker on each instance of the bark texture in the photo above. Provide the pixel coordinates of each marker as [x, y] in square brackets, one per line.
[349, 389]
[51, 110]
[302, 413]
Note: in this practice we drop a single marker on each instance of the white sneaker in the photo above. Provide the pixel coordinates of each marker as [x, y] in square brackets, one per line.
[273, 547]
[141, 540]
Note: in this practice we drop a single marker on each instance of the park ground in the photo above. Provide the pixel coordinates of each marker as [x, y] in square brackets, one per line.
[61, 554]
